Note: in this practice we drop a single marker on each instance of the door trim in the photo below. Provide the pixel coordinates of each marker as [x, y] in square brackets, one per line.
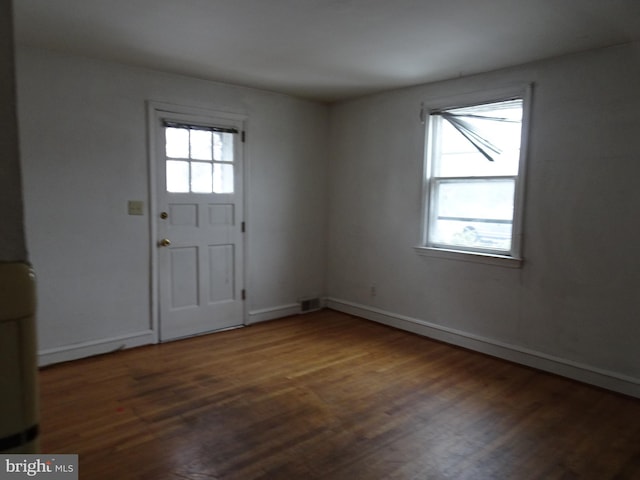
[155, 111]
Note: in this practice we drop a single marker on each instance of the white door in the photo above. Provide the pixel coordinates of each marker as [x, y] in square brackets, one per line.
[199, 223]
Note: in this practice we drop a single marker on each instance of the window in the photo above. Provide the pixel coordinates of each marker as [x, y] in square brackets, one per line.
[199, 159]
[474, 171]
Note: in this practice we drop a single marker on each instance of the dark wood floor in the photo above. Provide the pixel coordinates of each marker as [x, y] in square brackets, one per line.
[329, 396]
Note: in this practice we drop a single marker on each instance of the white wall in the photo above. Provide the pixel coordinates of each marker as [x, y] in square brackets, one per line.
[83, 133]
[12, 242]
[574, 306]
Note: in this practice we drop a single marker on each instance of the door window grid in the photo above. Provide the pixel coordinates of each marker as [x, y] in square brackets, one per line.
[199, 160]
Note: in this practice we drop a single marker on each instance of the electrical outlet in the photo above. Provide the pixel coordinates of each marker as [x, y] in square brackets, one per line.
[135, 207]
[374, 290]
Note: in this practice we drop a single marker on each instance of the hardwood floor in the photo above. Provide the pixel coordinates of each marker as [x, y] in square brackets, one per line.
[329, 396]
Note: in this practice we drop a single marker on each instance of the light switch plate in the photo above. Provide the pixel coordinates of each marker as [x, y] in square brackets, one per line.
[136, 207]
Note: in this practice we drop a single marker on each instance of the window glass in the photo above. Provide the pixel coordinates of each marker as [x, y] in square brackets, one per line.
[177, 176]
[201, 144]
[177, 145]
[201, 179]
[474, 213]
[223, 178]
[459, 157]
[223, 146]
[199, 160]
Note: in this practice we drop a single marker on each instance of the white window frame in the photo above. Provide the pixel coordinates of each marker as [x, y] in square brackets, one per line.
[514, 257]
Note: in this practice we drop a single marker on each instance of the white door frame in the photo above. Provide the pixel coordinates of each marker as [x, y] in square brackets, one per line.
[155, 111]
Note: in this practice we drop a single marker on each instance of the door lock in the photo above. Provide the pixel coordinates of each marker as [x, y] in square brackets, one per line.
[164, 215]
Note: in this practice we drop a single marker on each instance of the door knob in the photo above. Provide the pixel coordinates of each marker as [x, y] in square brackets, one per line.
[165, 242]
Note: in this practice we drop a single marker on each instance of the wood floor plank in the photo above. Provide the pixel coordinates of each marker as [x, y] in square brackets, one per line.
[330, 396]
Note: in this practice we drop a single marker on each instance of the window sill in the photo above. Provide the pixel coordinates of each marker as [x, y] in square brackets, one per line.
[474, 257]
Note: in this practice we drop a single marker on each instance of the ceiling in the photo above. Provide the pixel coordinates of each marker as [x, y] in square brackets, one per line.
[325, 50]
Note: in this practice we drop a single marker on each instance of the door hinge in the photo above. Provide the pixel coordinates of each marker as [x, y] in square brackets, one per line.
[243, 227]
[243, 136]
[244, 294]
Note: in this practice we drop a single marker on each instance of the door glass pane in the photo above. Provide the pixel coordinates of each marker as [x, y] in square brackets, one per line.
[177, 176]
[177, 142]
[201, 177]
[201, 145]
[223, 146]
[223, 178]
[474, 213]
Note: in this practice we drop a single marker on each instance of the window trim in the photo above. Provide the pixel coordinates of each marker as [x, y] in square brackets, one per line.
[515, 258]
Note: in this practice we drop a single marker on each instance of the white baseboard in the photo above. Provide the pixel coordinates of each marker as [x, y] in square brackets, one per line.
[97, 347]
[257, 316]
[541, 361]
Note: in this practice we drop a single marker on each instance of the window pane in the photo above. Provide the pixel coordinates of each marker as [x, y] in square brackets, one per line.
[177, 176]
[222, 178]
[201, 177]
[475, 198]
[459, 158]
[201, 145]
[476, 213]
[223, 146]
[498, 123]
[177, 142]
[485, 235]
